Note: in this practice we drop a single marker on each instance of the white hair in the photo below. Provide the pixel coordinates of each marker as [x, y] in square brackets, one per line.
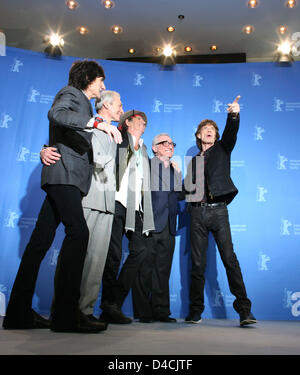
[105, 96]
[155, 139]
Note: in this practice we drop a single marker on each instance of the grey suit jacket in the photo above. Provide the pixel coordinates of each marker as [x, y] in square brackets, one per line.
[101, 195]
[68, 116]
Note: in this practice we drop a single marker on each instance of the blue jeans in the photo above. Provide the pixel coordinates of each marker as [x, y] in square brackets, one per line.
[214, 219]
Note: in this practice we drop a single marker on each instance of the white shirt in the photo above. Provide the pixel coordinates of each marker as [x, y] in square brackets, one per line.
[121, 195]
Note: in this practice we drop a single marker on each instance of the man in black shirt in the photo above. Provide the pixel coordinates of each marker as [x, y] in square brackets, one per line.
[208, 209]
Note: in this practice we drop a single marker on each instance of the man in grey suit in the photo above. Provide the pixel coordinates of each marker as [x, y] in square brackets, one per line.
[99, 203]
[65, 183]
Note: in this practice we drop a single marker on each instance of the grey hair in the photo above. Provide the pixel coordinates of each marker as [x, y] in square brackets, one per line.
[155, 139]
[105, 96]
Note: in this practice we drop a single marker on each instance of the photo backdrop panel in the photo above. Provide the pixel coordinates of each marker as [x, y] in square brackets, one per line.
[265, 167]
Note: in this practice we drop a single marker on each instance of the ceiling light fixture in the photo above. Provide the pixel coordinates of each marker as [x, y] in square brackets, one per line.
[168, 51]
[253, 3]
[248, 29]
[282, 29]
[116, 29]
[291, 3]
[171, 29]
[283, 54]
[213, 47]
[188, 49]
[54, 45]
[72, 4]
[108, 4]
[131, 50]
[82, 30]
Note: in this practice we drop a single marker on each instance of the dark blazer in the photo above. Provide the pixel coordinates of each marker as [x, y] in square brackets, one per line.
[68, 116]
[217, 164]
[165, 190]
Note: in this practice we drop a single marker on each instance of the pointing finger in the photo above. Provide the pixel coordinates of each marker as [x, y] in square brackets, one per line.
[237, 99]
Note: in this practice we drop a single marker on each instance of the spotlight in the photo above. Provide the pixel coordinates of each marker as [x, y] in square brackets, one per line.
[248, 29]
[168, 51]
[55, 44]
[82, 30]
[284, 54]
[253, 3]
[282, 29]
[188, 49]
[291, 3]
[213, 47]
[131, 51]
[171, 29]
[168, 56]
[108, 4]
[72, 4]
[116, 29]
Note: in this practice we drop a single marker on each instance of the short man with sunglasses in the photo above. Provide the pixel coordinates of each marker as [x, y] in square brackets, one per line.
[150, 292]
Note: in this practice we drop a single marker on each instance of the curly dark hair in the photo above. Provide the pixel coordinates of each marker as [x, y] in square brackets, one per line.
[201, 125]
[82, 73]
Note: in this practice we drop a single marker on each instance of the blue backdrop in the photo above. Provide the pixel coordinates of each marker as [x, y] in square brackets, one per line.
[264, 216]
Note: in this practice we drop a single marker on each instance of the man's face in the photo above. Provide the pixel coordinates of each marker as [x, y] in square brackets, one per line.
[136, 126]
[94, 88]
[115, 109]
[164, 147]
[207, 134]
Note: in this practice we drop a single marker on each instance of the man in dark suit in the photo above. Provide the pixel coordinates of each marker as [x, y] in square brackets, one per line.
[65, 183]
[150, 292]
[209, 171]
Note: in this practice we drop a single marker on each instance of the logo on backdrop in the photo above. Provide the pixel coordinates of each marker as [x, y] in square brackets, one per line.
[281, 106]
[5, 119]
[2, 300]
[256, 78]
[260, 194]
[16, 65]
[296, 46]
[11, 218]
[197, 80]
[167, 108]
[34, 96]
[138, 79]
[238, 228]
[220, 106]
[287, 228]
[24, 155]
[288, 301]
[283, 163]
[262, 261]
[258, 132]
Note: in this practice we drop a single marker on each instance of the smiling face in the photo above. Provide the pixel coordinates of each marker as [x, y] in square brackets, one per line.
[163, 148]
[115, 108]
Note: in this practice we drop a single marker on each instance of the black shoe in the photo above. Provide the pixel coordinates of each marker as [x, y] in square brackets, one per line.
[146, 320]
[166, 319]
[247, 318]
[39, 322]
[113, 314]
[32, 321]
[84, 325]
[193, 317]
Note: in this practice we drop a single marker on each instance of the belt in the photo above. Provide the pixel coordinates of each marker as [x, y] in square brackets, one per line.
[204, 204]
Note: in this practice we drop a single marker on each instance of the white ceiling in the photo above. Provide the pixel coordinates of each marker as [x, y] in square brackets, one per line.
[144, 23]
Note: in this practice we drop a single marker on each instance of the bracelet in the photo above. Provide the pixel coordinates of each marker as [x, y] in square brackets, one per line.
[97, 121]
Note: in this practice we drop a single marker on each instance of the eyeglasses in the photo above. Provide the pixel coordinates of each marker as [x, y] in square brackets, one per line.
[166, 143]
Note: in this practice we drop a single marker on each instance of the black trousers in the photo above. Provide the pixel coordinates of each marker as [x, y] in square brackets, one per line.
[150, 292]
[62, 204]
[215, 220]
[116, 287]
